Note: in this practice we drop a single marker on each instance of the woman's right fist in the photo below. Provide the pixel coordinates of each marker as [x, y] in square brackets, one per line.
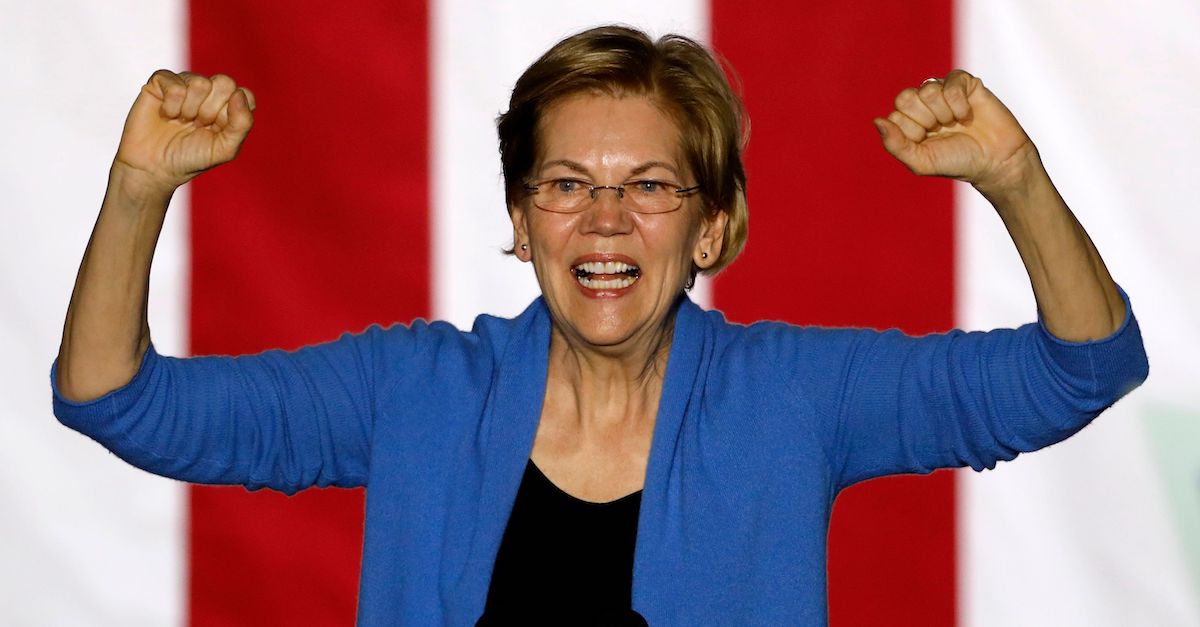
[183, 124]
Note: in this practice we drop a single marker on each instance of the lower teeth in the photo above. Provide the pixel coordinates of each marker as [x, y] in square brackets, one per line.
[611, 284]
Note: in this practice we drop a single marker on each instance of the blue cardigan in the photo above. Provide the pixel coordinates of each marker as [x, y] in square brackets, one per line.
[758, 429]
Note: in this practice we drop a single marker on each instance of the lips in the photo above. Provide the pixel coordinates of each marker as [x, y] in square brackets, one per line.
[605, 272]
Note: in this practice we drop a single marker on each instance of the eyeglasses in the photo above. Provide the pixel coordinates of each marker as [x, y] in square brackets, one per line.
[642, 196]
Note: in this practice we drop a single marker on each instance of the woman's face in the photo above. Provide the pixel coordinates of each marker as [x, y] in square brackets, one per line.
[603, 140]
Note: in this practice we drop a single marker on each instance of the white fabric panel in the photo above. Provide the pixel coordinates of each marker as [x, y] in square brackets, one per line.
[1083, 533]
[479, 50]
[84, 538]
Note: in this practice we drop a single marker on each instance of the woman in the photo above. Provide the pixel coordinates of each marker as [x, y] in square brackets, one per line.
[511, 469]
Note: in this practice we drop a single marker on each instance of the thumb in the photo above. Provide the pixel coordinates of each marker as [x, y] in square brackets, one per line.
[241, 116]
[905, 150]
[238, 120]
[893, 138]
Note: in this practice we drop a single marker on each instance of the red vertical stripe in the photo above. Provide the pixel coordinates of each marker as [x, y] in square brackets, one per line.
[320, 226]
[843, 235]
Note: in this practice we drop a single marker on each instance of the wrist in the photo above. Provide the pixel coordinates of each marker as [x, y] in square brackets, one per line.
[1021, 178]
[136, 187]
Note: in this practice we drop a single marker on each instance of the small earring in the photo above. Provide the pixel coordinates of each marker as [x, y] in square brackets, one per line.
[524, 246]
[704, 255]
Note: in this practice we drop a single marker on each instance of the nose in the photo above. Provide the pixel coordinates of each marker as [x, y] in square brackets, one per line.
[606, 215]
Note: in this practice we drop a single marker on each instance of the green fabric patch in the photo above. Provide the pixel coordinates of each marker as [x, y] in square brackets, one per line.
[1175, 437]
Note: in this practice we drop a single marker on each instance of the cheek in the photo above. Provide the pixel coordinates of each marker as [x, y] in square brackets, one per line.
[550, 233]
[548, 237]
[689, 238]
[676, 245]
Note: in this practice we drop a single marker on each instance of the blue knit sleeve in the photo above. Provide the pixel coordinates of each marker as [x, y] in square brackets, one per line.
[892, 404]
[279, 419]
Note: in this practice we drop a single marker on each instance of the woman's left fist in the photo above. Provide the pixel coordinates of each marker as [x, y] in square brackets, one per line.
[956, 127]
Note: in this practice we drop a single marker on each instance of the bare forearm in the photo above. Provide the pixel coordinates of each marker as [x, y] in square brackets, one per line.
[1075, 294]
[956, 127]
[106, 331]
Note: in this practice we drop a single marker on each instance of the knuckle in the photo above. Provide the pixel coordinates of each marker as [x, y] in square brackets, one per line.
[906, 96]
[223, 81]
[199, 84]
[929, 91]
[963, 80]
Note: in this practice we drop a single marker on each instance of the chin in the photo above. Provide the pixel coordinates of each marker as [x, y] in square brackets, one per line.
[604, 330]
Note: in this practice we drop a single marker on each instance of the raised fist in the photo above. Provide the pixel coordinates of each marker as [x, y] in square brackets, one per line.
[183, 124]
[955, 127]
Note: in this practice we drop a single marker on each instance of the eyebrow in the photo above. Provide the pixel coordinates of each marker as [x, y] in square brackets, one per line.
[575, 166]
[572, 165]
[650, 165]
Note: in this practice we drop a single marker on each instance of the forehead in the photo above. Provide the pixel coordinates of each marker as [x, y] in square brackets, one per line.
[602, 131]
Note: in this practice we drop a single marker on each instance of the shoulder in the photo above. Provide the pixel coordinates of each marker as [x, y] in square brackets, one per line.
[438, 350]
[774, 344]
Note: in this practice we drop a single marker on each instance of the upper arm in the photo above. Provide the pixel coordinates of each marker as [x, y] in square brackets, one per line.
[279, 419]
[890, 403]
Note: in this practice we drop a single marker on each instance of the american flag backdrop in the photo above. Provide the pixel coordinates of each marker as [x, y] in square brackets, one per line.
[369, 191]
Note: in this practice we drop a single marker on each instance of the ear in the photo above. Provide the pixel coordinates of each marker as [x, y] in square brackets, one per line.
[521, 247]
[711, 240]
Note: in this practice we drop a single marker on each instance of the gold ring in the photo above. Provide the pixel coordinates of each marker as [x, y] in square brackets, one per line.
[931, 79]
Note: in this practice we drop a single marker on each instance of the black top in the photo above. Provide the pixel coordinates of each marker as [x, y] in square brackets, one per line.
[564, 560]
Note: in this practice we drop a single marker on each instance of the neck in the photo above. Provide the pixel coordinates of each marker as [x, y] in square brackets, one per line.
[609, 385]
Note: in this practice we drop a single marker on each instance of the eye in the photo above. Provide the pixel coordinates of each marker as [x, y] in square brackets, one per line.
[566, 186]
[649, 186]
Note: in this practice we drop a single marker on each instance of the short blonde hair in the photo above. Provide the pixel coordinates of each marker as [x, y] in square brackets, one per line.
[682, 77]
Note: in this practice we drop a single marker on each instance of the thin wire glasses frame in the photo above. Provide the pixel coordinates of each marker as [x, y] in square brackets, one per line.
[564, 195]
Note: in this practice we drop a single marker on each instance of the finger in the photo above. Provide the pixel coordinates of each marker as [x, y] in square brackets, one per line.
[198, 88]
[249, 97]
[913, 131]
[910, 104]
[957, 90]
[899, 146]
[168, 87]
[239, 112]
[930, 93]
[237, 122]
[222, 88]
[223, 116]
[894, 139]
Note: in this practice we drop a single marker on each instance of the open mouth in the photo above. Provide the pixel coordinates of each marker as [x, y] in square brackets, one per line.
[606, 275]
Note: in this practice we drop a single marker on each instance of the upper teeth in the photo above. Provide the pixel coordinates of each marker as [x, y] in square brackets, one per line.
[605, 267]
